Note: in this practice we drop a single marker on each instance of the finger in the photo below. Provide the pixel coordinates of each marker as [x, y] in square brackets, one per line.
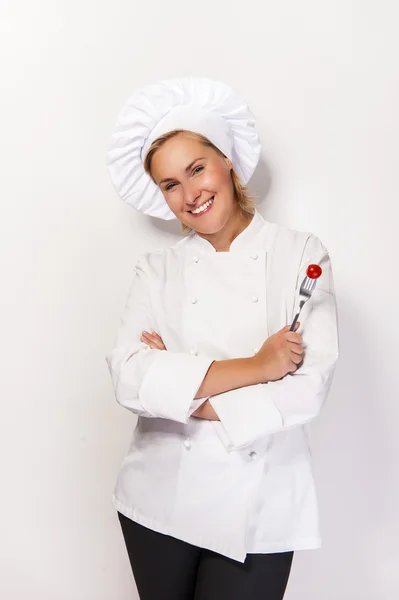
[154, 336]
[148, 338]
[293, 337]
[296, 348]
[296, 358]
[155, 343]
[158, 340]
[151, 345]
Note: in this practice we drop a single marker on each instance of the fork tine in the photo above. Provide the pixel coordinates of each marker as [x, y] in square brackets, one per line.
[307, 287]
[308, 284]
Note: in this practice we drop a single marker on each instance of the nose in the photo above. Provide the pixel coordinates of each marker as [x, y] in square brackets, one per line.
[191, 193]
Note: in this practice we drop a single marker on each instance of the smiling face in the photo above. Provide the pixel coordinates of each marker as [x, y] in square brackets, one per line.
[196, 182]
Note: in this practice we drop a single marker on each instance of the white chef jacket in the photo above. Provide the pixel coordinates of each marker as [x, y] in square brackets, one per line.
[243, 484]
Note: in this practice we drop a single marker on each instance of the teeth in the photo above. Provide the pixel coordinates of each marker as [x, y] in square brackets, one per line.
[202, 207]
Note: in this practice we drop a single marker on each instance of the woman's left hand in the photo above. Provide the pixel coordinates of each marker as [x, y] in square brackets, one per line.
[153, 340]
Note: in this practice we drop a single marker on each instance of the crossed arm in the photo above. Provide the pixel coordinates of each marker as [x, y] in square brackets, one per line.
[222, 376]
[280, 355]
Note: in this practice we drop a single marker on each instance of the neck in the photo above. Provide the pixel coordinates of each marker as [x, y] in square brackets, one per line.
[222, 240]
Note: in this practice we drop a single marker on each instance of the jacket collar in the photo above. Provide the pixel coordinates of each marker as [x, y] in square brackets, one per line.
[244, 240]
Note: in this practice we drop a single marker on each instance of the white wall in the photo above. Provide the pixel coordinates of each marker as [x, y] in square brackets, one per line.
[322, 79]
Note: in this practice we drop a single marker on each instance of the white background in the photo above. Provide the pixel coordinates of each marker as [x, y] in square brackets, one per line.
[322, 79]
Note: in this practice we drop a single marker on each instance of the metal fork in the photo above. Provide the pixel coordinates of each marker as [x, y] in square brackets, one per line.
[305, 291]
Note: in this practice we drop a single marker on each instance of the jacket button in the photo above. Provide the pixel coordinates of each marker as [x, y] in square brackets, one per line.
[254, 298]
[254, 256]
[195, 259]
[193, 300]
[193, 350]
[253, 455]
[187, 443]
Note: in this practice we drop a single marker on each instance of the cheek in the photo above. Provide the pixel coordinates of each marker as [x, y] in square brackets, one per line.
[217, 178]
[174, 200]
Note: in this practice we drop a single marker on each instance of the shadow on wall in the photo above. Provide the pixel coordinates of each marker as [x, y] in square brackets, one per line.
[356, 476]
[261, 181]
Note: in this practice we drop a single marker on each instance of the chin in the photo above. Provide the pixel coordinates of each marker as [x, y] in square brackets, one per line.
[208, 228]
[207, 225]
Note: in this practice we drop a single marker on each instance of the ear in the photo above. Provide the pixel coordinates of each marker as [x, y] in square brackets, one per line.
[228, 162]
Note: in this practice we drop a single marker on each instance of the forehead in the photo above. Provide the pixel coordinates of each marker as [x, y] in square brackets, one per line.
[176, 154]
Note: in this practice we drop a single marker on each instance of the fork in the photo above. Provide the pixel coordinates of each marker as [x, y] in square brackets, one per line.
[305, 291]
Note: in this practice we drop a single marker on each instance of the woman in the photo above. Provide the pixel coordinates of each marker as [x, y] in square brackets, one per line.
[216, 492]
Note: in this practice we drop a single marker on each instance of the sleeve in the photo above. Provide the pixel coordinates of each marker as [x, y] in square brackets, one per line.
[152, 383]
[250, 413]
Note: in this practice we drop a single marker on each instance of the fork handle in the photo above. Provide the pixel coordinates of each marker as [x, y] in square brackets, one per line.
[297, 315]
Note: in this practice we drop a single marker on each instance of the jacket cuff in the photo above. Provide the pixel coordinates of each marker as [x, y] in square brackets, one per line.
[196, 404]
[171, 383]
[246, 414]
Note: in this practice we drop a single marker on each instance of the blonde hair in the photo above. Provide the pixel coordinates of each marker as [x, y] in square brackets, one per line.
[245, 201]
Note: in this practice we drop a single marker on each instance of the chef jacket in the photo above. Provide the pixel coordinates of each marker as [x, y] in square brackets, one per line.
[243, 484]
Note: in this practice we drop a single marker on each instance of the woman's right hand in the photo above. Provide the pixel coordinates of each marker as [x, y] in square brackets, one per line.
[280, 354]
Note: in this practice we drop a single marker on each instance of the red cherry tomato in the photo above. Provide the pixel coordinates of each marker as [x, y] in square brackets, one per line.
[314, 271]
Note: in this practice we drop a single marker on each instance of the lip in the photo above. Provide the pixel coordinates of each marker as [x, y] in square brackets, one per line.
[203, 212]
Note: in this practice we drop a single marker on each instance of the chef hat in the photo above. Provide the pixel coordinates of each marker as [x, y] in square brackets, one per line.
[190, 103]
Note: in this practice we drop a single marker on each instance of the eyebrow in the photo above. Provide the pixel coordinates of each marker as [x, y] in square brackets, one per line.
[186, 170]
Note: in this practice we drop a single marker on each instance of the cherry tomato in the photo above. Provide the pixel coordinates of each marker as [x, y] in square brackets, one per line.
[314, 271]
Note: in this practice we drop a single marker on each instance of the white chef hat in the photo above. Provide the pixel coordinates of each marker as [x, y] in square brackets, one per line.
[195, 104]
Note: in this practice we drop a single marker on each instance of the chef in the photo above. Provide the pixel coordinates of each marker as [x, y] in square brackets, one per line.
[216, 492]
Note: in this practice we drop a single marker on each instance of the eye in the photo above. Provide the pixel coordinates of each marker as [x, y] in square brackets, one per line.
[198, 170]
[169, 186]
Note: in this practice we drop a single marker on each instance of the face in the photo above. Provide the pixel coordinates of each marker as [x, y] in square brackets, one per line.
[192, 176]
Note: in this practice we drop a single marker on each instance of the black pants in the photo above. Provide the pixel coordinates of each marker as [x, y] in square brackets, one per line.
[165, 568]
